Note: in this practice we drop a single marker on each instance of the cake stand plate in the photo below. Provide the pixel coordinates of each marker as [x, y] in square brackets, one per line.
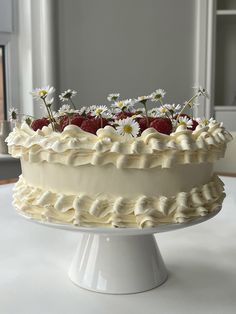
[119, 260]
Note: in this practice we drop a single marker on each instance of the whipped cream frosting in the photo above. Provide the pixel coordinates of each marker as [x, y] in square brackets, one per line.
[112, 211]
[107, 179]
[152, 149]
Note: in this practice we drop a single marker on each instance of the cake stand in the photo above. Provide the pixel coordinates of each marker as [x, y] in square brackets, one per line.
[119, 260]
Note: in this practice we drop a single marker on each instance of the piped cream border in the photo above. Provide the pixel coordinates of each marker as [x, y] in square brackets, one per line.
[152, 149]
[109, 211]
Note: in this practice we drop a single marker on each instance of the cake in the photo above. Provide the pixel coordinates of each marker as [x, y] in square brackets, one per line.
[123, 167]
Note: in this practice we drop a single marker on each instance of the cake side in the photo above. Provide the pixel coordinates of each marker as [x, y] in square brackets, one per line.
[108, 180]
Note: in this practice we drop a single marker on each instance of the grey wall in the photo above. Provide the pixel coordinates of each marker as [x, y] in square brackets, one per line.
[126, 46]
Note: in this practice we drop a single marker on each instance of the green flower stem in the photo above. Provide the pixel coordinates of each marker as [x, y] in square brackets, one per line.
[146, 112]
[72, 103]
[187, 104]
[51, 118]
[49, 114]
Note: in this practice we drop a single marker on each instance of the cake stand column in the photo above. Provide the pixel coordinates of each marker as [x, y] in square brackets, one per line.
[117, 264]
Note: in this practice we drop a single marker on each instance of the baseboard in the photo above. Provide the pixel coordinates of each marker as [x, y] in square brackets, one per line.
[8, 181]
[226, 174]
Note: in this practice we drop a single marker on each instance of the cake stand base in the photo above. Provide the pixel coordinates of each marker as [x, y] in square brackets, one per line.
[119, 260]
[117, 264]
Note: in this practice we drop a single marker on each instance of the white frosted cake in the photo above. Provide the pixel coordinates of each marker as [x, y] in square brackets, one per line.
[106, 179]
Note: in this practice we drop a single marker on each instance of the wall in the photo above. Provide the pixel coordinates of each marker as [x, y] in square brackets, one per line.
[126, 46]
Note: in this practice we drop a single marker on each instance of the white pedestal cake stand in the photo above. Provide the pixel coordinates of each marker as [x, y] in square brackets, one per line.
[119, 260]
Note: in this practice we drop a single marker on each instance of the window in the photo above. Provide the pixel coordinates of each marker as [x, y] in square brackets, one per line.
[3, 107]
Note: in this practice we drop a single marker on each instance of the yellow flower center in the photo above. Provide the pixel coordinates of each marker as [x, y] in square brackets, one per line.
[127, 128]
[182, 123]
[163, 110]
[99, 111]
[42, 93]
[120, 104]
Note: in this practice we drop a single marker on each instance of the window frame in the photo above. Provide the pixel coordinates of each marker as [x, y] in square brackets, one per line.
[2, 47]
[9, 40]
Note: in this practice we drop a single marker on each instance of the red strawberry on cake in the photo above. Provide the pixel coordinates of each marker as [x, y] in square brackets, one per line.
[38, 124]
[162, 125]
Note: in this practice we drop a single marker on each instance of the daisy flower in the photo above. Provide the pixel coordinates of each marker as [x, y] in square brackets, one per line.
[121, 105]
[173, 108]
[43, 93]
[90, 109]
[68, 94]
[127, 128]
[143, 99]
[201, 91]
[113, 97]
[27, 120]
[82, 110]
[13, 114]
[154, 112]
[49, 101]
[136, 115]
[140, 110]
[65, 109]
[185, 121]
[163, 110]
[100, 111]
[205, 121]
[158, 95]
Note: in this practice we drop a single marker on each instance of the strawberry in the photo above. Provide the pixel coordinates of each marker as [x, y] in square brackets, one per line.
[102, 123]
[38, 124]
[123, 115]
[194, 125]
[77, 120]
[89, 116]
[90, 125]
[143, 123]
[64, 121]
[162, 125]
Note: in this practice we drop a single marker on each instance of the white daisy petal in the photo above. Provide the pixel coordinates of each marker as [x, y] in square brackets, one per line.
[204, 121]
[183, 120]
[158, 95]
[128, 128]
[113, 97]
[100, 111]
[43, 93]
[13, 114]
[68, 94]
[65, 109]
[144, 98]
[123, 105]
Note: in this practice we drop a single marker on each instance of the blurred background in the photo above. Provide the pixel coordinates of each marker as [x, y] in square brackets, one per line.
[128, 46]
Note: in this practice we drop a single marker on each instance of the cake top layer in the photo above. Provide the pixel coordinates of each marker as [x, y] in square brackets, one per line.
[151, 149]
[123, 135]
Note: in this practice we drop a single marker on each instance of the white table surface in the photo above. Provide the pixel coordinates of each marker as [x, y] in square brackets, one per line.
[201, 261]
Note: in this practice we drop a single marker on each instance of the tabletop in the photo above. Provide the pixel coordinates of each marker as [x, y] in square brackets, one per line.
[201, 262]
